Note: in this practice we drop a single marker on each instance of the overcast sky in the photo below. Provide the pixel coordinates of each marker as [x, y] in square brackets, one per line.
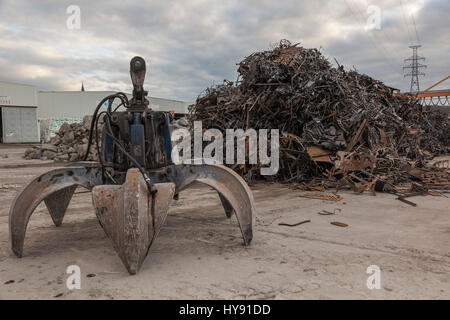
[190, 45]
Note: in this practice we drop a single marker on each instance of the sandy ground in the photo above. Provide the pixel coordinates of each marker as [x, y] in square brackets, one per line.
[199, 252]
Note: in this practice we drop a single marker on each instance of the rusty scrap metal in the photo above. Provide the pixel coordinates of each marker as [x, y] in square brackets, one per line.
[318, 154]
[412, 194]
[311, 186]
[325, 113]
[339, 224]
[322, 196]
[354, 161]
[407, 201]
[327, 213]
[293, 225]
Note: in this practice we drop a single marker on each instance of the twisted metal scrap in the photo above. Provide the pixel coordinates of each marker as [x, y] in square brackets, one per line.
[314, 104]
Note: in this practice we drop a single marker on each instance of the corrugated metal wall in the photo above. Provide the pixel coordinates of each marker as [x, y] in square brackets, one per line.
[19, 124]
[19, 113]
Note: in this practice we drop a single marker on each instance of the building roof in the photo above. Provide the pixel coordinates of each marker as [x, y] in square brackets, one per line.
[17, 83]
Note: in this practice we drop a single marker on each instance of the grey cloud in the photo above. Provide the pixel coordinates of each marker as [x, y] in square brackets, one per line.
[193, 44]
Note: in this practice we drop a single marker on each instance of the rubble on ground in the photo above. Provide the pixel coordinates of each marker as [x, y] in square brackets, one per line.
[70, 142]
[68, 145]
[337, 127]
[180, 123]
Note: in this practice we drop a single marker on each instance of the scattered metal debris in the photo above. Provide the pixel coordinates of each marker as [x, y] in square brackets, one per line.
[293, 225]
[327, 213]
[310, 186]
[407, 201]
[404, 196]
[339, 224]
[322, 196]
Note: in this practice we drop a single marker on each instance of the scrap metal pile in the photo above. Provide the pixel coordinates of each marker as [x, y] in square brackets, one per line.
[337, 127]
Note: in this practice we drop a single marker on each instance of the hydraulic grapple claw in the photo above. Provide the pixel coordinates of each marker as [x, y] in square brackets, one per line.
[134, 161]
[130, 215]
[234, 193]
[55, 188]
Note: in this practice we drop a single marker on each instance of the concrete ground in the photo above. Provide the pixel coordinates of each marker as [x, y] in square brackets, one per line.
[199, 252]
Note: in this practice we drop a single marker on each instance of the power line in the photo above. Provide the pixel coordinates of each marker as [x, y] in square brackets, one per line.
[413, 23]
[415, 28]
[371, 38]
[405, 22]
[384, 33]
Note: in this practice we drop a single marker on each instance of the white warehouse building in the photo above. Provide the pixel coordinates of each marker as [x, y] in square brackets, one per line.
[29, 116]
[77, 104]
[57, 107]
[18, 113]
